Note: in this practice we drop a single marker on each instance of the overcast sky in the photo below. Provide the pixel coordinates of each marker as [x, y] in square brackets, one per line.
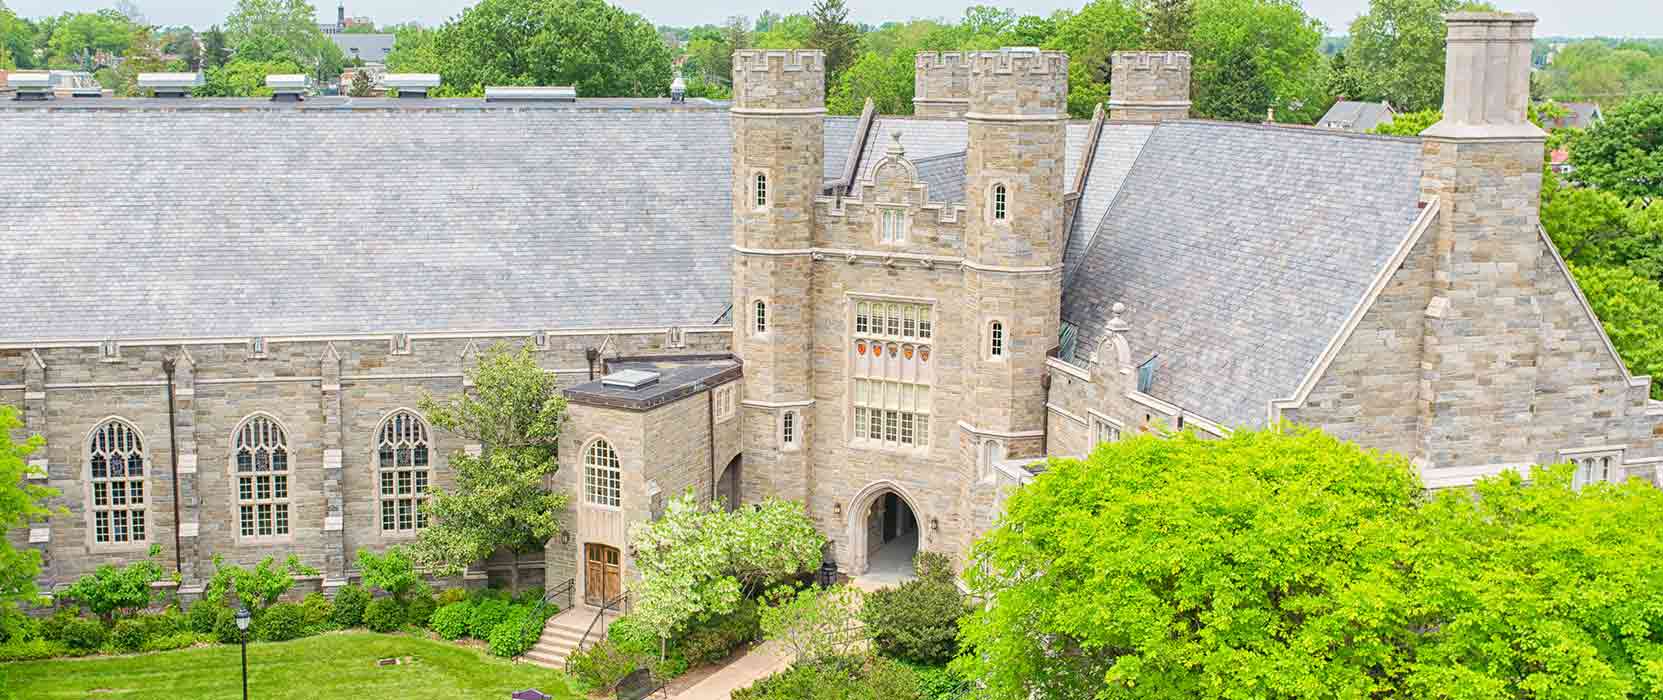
[1558, 17]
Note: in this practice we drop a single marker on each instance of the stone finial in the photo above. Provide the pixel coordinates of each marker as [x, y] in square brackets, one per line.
[1487, 77]
[1118, 324]
[895, 149]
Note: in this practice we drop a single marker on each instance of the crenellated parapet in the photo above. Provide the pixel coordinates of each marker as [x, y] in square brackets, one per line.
[790, 80]
[1149, 85]
[941, 84]
[1018, 82]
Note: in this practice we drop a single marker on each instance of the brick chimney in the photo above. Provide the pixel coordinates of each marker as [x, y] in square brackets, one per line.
[1482, 330]
[1149, 85]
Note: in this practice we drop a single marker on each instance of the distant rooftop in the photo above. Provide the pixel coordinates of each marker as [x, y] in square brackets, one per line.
[677, 378]
[324, 103]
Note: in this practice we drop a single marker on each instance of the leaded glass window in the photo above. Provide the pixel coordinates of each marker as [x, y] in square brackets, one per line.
[261, 451]
[403, 469]
[115, 460]
[602, 477]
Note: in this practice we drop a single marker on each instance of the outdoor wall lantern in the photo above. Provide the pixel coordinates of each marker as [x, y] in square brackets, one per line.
[565, 537]
[934, 525]
[837, 509]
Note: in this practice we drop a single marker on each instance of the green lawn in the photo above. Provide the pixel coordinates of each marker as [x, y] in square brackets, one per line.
[328, 666]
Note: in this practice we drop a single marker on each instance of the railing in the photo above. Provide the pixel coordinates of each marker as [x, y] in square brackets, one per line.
[564, 589]
[619, 603]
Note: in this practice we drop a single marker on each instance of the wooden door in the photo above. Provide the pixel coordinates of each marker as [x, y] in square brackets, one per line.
[603, 579]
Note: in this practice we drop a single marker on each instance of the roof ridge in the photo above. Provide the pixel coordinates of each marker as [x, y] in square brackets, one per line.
[1096, 237]
[1311, 129]
[941, 156]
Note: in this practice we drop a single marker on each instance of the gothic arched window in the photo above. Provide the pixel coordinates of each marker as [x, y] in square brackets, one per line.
[761, 316]
[115, 459]
[261, 458]
[402, 470]
[761, 190]
[602, 477]
[999, 202]
[996, 339]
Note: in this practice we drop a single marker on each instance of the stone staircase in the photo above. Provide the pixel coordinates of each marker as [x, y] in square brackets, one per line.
[562, 633]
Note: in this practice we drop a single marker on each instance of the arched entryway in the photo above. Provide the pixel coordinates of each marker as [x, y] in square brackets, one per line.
[727, 487]
[884, 532]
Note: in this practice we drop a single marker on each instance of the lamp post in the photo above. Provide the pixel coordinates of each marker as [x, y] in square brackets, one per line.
[243, 618]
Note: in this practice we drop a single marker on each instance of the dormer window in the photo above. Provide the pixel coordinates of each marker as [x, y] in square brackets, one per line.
[761, 190]
[999, 202]
[892, 225]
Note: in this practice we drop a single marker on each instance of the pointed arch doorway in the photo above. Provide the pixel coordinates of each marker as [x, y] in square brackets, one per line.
[883, 532]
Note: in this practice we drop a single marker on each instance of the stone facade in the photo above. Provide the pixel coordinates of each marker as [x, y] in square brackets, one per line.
[941, 84]
[1149, 85]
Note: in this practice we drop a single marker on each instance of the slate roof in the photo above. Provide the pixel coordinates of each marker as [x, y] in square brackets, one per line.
[373, 48]
[1117, 149]
[944, 175]
[1239, 251]
[1358, 117]
[925, 138]
[839, 138]
[122, 224]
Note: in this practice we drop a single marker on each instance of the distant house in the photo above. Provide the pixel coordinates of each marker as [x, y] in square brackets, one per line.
[1582, 115]
[1560, 161]
[1359, 117]
[372, 49]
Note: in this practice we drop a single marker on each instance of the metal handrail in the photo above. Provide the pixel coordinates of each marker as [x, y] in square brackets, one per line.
[565, 589]
[620, 602]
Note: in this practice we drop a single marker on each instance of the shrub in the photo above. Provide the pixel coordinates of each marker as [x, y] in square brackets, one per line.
[603, 665]
[420, 609]
[32, 650]
[170, 621]
[317, 612]
[130, 634]
[917, 621]
[513, 636]
[177, 640]
[350, 603]
[202, 615]
[15, 625]
[940, 683]
[225, 627]
[717, 637]
[933, 566]
[258, 587]
[281, 622]
[451, 621]
[384, 615]
[53, 628]
[452, 595]
[392, 572]
[83, 634]
[487, 613]
[633, 636]
[850, 678]
[109, 590]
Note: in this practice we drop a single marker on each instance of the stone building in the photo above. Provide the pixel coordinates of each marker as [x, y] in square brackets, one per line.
[887, 318]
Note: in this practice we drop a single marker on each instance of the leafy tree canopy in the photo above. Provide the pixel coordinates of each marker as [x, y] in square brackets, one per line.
[276, 30]
[21, 502]
[1296, 565]
[514, 411]
[255, 588]
[1630, 306]
[602, 50]
[1397, 51]
[110, 589]
[244, 78]
[87, 40]
[1624, 153]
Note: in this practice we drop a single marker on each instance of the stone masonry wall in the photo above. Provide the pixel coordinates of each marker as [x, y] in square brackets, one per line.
[1149, 85]
[941, 84]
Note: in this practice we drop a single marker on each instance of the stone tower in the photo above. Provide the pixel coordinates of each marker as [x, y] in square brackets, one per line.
[1149, 85]
[1014, 238]
[941, 84]
[1482, 331]
[778, 113]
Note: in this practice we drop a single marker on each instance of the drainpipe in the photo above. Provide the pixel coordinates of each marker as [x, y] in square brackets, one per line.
[168, 364]
[590, 354]
[710, 413]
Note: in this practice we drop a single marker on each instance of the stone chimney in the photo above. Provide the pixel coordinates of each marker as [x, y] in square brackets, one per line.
[1149, 85]
[941, 84]
[1482, 329]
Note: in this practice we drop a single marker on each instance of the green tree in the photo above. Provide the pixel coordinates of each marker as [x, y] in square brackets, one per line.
[361, 85]
[214, 48]
[1090, 36]
[598, 48]
[393, 573]
[815, 624]
[1397, 47]
[1169, 23]
[1251, 55]
[110, 590]
[514, 412]
[833, 34]
[88, 40]
[274, 30]
[887, 80]
[1186, 568]
[16, 40]
[244, 78]
[1409, 123]
[21, 502]
[255, 588]
[699, 560]
[1624, 153]
[1630, 306]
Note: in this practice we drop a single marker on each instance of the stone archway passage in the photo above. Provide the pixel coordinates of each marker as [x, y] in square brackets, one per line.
[883, 532]
[727, 487]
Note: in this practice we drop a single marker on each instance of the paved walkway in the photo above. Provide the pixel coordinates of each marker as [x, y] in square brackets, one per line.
[891, 565]
[760, 662]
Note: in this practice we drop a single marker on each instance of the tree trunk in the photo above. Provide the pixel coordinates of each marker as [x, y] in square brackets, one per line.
[514, 574]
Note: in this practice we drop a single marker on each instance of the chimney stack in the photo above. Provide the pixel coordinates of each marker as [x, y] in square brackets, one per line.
[1487, 77]
[1149, 85]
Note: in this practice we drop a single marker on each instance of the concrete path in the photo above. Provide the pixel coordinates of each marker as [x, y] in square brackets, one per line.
[760, 662]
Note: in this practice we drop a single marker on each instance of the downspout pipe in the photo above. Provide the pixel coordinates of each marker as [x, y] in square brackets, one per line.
[168, 365]
[710, 414]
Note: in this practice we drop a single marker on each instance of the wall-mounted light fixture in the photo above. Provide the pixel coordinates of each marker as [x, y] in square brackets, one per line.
[837, 509]
[934, 524]
[565, 537]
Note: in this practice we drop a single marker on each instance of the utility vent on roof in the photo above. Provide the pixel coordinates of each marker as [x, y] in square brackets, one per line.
[411, 85]
[290, 87]
[630, 379]
[531, 94]
[176, 85]
[32, 86]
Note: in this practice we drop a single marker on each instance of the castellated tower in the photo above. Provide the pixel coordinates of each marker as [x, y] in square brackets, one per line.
[778, 144]
[1482, 334]
[1014, 238]
[1149, 85]
[941, 84]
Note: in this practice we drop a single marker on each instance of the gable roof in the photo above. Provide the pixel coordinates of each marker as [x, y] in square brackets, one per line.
[1118, 148]
[1240, 251]
[128, 223]
[372, 48]
[930, 138]
[1359, 117]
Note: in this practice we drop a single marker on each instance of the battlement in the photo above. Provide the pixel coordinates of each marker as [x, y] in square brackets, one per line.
[1149, 85]
[941, 84]
[779, 79]
[1020, 81]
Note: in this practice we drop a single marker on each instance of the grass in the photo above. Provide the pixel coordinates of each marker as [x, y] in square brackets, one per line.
[329, 666]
